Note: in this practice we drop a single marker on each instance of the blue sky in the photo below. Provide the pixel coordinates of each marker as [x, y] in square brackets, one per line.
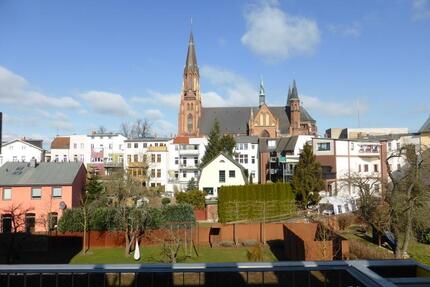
[71, 66]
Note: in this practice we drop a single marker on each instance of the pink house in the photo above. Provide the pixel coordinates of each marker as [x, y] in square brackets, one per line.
[34, 195]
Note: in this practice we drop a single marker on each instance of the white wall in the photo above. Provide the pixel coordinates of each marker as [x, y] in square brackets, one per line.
[246, 154]
[20, 151]
[209, 177]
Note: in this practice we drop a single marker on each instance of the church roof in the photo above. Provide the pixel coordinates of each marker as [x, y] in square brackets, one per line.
[426, 126]
[191, 62]
[234, 120]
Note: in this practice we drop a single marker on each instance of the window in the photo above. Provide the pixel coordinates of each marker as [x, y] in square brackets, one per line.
[156, 144]
[245, 146]
[152, 184]
[176, 174]
[184, 161]
[359, 168]
[158, 183]
[36, 193]
[190, 123]
[352, 146]
[339, 208]
[196, 160]
[7, 194]
[75, 145]
[145, 145]
[158, 157]
[82, 157]
[196, 173]
[158, 172]
[375, 168]
[323, 146]
[56, 158]
[232, 173]
[346, 207]
[152, 172]
[184, 174]
[366, 168]
[82, 145]
[129, 158]
[221, 176]
[252, 159]
[110, 146]
[389, 146]
[15, 158]
[208, 190]
[271, 143]
[136, 145]
[75, 158]
[6, 223]
[56, 192]
[176, 160]
[128, 145]
[136, 158]
[243, 158]
[30, 222]
[92, 146]
[52, 220]
[64, 158]
[23, 158]
[152, 157]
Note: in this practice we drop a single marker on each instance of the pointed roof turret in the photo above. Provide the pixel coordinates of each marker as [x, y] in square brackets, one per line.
[191, 62]
[262, 94]
[293, 94]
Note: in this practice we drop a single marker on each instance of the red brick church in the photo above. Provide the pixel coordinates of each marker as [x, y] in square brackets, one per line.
[262, 121]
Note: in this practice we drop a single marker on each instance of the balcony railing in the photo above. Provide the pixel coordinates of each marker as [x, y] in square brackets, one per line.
[293, 273]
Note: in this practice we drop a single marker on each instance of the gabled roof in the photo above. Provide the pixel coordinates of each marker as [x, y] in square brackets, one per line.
[45, 173]
[426, 126]
[231, 159]
[24, 142]
[61, 143]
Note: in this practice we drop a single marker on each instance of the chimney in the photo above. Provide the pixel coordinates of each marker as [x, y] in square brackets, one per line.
[33, 163]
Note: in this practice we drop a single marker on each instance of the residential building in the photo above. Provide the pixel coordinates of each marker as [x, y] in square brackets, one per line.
[146, 159]
[185, 155]
[246, 154]
[22, 150]
[424, 133]
[39, 191]
[101, 153]
[279, 156]
[222, 170]
[262, 120]
[342, 161]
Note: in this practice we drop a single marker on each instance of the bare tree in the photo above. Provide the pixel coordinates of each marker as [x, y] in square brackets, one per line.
[141, 128]
[125, 130]
[406, 193]
[101, 130]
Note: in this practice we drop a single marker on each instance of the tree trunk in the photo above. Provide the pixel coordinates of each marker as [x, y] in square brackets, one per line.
[84, 239]
[127, 241]
[408, 230]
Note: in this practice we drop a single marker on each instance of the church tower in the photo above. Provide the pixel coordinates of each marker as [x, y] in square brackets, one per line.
[191, 104]
[294, 103]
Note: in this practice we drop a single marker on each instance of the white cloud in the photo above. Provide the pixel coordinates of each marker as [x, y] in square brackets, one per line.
[276, 35]
[57, 120]
[164, 128]
[333, 109]
[153, 114]
[15, 90]
[420, 10]
[157, 98]
[352, 30]
[237, 90]
[108, 103]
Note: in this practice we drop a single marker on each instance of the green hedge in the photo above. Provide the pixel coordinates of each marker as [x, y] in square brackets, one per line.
[254, 202]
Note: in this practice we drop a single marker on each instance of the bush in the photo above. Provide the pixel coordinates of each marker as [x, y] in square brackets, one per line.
[165, 201]
[194, 197]
[345, 220]
[360, 250]
[178, 213]
[71, 220]
[255, 201]
[423, 235]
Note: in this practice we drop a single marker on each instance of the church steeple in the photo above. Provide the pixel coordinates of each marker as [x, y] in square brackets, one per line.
[262, 94]
[191, 104]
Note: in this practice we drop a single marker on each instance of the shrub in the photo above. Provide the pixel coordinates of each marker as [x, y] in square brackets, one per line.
[165, 201]
[71, 220]
[360, 250]
[194, 197]
[255, 253]
[345, 220]
[178, 213]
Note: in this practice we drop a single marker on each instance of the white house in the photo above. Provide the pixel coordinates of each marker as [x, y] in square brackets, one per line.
[185, 155]
[246, 153]
[222, 170]
[21, 151]
[344, 160]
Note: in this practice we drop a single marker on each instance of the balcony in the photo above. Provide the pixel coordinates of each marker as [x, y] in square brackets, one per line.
[113, 164]
[291, 273]
[368, 149]
[188, 150]
[188, 166]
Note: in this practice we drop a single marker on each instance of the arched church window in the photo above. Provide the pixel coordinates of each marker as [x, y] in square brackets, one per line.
[267, 120]
[190, 122]
[261, 120]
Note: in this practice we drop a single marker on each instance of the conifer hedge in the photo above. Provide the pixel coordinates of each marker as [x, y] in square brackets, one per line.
[255, 202]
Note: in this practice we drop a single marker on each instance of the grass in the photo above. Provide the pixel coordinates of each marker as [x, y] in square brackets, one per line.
[152, 254]
[420, 252]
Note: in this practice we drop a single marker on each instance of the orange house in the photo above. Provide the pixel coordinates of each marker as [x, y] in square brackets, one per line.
[34, 195]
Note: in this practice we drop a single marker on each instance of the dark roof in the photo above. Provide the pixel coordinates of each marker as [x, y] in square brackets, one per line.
[61, 143]
[234, 120]
[246, 139]
[282, 144]
[45, 173]
[293, 93]
[426, 126]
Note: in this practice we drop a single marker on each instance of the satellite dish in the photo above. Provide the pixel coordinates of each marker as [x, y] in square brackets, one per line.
[62, 205]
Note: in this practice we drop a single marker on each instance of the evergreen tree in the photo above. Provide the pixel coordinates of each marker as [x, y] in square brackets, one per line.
[217, 144]
[94, 187]
[192, 185]
[307, 179]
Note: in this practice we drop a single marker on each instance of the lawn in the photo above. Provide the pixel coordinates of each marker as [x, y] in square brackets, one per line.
[420, 252]
[152, 254]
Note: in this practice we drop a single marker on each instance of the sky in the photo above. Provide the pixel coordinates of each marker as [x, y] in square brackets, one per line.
[71, 66]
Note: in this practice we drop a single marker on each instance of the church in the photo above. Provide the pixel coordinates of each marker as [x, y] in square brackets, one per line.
[262, 120]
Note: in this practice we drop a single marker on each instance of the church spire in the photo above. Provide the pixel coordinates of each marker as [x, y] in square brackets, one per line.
[262, 94]
[191, 62]
[294, 93]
